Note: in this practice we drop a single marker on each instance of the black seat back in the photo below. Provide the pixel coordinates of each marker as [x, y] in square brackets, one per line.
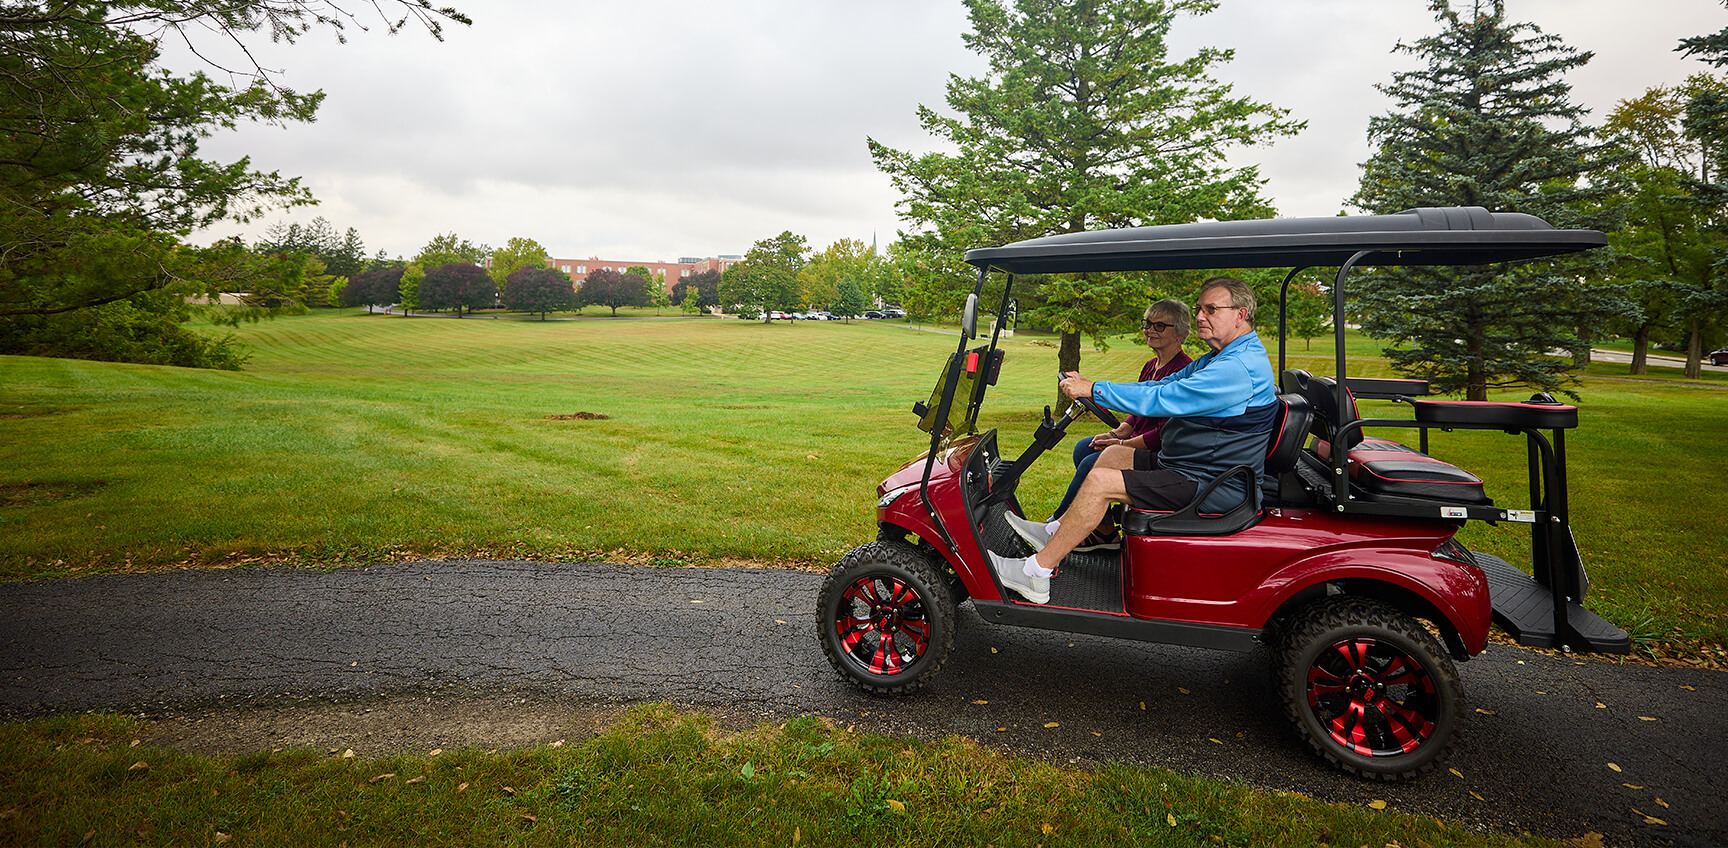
[1322, 396]
[1289, 431]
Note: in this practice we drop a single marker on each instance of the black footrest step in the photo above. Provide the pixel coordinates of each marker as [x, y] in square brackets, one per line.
[1525, 609]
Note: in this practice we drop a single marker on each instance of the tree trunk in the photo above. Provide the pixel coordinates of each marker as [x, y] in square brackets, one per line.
[1476, 376]
[1641, 350]
[1581, 356]
[1067, 359]
[1694, 349]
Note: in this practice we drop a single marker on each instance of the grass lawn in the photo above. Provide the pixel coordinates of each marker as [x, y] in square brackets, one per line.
[354, 437]
[656, 778]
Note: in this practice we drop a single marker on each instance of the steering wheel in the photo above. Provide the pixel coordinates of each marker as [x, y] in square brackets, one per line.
[1091, 406]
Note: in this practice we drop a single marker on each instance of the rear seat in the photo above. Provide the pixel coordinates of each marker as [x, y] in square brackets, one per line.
[1380, 469]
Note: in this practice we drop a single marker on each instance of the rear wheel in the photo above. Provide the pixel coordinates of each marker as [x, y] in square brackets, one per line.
[1369, 689]
[886, 618]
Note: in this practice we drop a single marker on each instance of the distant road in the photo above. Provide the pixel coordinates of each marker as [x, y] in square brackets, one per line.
[1600, 355]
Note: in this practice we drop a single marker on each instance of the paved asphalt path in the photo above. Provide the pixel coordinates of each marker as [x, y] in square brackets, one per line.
[1535, 756]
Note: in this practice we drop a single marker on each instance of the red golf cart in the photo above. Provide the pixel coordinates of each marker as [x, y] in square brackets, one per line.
[1342, 560]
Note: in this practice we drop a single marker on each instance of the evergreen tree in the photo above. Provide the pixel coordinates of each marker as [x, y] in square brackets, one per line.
[1082, 121]
[1488, 122]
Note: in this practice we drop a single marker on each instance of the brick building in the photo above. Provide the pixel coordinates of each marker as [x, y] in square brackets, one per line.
[686, 266]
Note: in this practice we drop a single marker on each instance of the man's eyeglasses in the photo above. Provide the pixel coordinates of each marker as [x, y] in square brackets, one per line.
[1156, 326]
[1212, 309]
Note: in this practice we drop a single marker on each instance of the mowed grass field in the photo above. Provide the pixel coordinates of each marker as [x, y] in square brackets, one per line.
[354, 437]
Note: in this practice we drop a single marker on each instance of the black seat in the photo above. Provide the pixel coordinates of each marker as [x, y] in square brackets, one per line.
[1322, 395]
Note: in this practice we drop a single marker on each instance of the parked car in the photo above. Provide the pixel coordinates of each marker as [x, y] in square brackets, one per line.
[893, 313]
[873, 314]
[1718, 357]
[777, 315]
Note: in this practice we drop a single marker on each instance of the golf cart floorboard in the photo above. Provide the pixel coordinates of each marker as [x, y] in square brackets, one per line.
[1525, 609]
[1090, 581]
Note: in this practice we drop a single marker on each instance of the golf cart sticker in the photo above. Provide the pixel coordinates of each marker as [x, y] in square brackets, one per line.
[1454, 512]
[1522, 516]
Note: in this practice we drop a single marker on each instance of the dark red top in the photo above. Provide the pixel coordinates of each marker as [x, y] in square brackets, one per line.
[1153, 428]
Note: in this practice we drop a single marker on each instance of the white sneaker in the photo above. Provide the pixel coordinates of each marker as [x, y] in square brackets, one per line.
[1036, 533]
[1012, 573]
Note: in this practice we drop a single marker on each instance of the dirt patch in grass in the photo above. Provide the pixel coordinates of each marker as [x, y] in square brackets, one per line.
[579, 416]
[36, 493]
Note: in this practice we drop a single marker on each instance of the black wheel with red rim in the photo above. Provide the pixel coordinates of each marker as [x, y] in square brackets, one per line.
[886, 617]
[1369, 688]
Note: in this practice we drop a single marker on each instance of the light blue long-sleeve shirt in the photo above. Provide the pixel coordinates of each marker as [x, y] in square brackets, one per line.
[1222, 384]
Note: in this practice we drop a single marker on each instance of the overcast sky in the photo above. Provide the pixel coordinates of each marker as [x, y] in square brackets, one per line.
[656, 129]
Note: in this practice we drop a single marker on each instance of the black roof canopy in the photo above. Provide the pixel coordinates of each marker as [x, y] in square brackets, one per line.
[1455, 235]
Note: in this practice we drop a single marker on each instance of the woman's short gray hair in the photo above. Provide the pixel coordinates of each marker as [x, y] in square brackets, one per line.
[1176, 311]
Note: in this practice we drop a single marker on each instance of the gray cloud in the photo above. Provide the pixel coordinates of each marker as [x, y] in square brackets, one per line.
[663, 128]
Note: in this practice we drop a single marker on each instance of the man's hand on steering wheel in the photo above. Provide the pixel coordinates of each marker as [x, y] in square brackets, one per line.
[1079, 389]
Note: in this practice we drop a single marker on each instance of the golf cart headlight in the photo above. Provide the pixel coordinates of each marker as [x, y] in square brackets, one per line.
[893, 496]
[1452, 551]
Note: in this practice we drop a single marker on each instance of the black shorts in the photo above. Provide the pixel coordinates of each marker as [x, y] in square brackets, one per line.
[1151, 486]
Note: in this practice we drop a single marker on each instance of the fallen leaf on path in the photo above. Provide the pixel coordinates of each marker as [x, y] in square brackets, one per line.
[1688, 688]
[980, 702]
[896, 806]
[461, 787]
[1588, 840]
[1183, 691]
[1171, 818]
[1473, 794]
[1377, 805]
[1052, 724]
[348, 754]
[435, 752]
[1645, 718]
[1614, 767]
[385, 776]
[139, 766]
[1630, 786]
[1486, 712]
[1210, 739]
[1649, 819]
[1661, 803]
[1601, 706]
[1456, 772]
[415, 781]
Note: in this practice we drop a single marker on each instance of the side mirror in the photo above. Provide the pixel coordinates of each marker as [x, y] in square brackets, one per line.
[969, 317]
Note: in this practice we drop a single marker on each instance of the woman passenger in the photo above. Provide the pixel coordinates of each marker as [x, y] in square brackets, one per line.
[1165, 327]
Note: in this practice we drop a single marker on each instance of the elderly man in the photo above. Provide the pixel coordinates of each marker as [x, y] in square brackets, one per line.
[1221, 408]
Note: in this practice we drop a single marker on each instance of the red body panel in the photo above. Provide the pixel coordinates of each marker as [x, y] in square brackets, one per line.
[1238, 580]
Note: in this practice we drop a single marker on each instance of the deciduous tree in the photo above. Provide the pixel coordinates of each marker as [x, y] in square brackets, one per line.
[612, 289]
[517, 253]
[767, 279]
[456, 285]
[539, 290]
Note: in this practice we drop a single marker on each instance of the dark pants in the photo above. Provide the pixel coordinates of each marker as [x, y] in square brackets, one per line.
[1084, 458]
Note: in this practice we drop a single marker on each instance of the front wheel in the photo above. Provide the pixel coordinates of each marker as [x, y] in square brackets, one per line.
[886, 618]
[1369, 689]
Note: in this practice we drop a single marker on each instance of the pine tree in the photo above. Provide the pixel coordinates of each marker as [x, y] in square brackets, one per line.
[1489, 122]
[1082, 121]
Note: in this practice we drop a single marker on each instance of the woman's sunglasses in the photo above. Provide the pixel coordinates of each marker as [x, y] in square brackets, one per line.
[1156, 326]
